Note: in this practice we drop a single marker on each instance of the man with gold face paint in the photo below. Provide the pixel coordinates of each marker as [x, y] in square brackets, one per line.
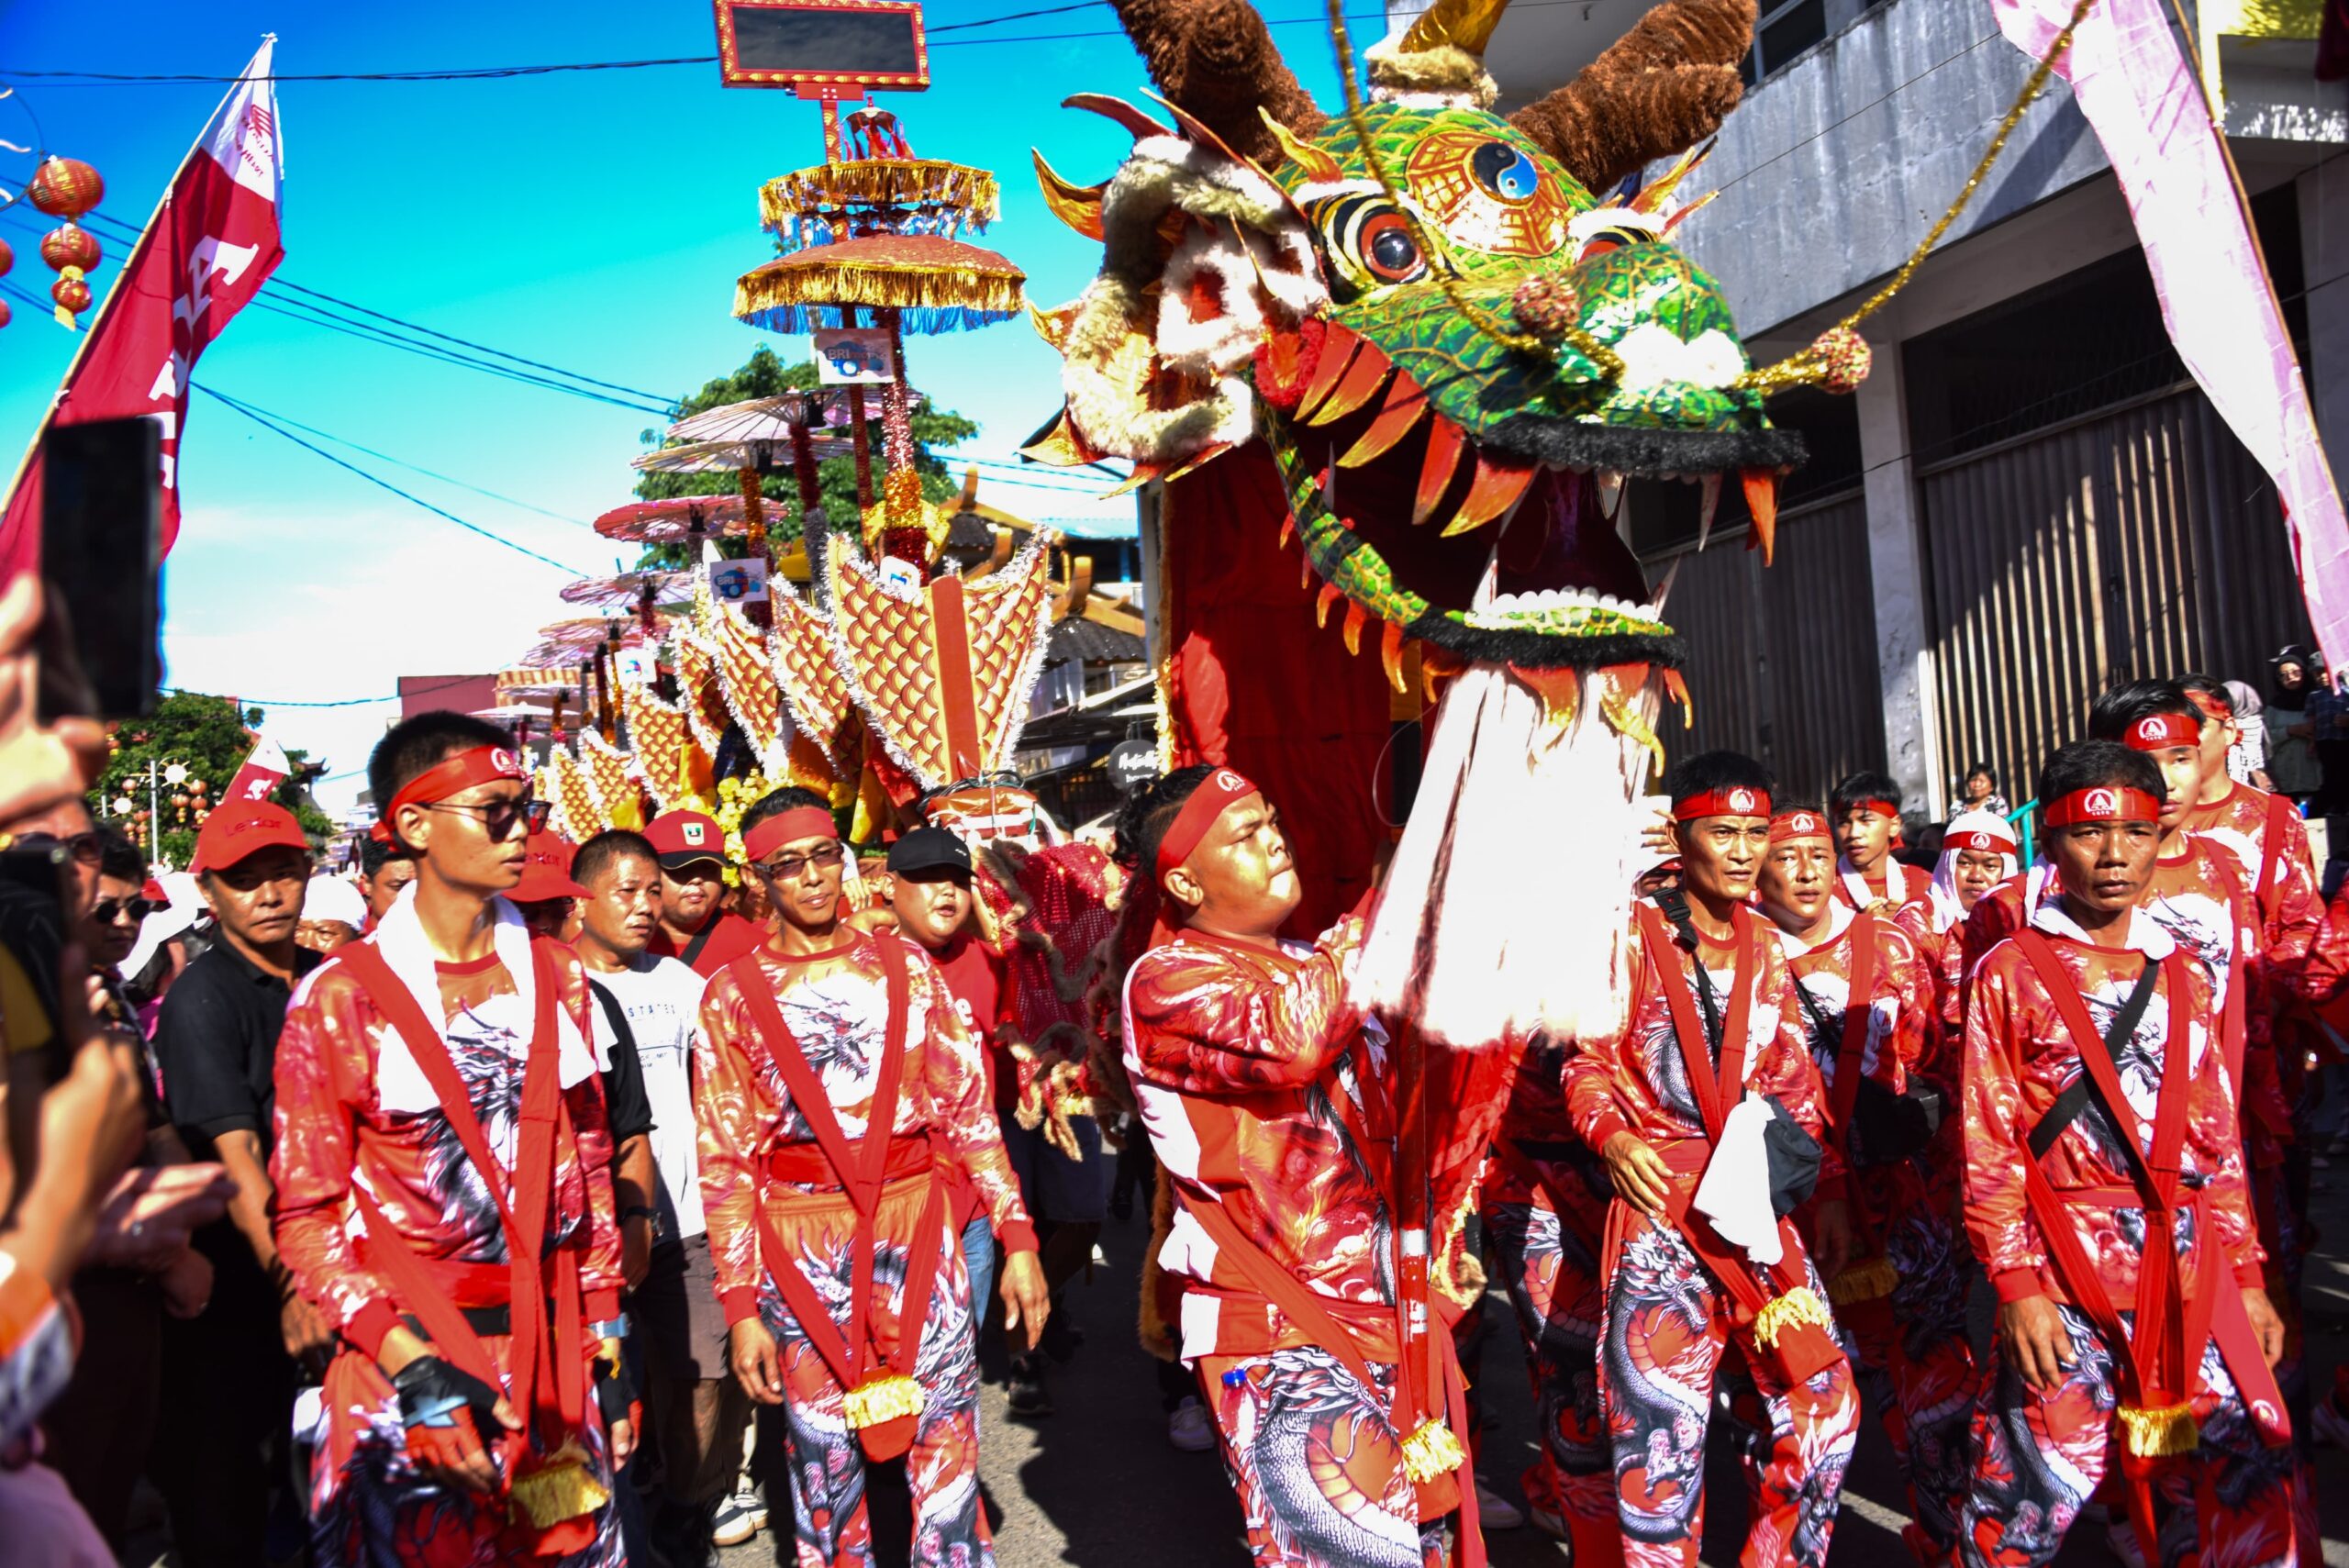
[1267, 1101]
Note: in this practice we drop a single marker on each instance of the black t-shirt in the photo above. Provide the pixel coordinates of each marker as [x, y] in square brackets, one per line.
[626, 1104]
[216, 1042]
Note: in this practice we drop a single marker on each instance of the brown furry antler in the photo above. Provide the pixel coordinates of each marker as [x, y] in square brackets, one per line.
[1217, 58]
[1661, 88]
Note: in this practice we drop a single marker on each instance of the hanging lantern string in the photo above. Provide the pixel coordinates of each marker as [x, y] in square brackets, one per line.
[1812, 364]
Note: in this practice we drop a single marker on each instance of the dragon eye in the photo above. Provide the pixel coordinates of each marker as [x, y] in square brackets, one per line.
[1509, 173]
[1369, 243]
[1388, 250]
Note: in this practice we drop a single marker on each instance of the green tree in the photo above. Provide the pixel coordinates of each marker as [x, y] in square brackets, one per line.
[208, 738]
[765, 376]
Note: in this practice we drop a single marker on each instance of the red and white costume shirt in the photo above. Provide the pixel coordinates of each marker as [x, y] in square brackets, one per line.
[2020, 1057]
[2292, 909]
[354, 1110]
[836, 1005]
[1893, 878]
[1900, 1011]
[1250, 1073]
[1636, 1081]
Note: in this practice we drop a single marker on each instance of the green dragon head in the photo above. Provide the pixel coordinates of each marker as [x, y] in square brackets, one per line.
[1456, 351]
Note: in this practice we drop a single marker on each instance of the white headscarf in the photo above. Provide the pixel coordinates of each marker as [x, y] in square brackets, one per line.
[1948, 908]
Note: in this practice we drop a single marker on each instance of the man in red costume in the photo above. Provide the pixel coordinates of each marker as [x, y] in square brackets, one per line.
[1266, 1099]
[1866, 996]
[2096, 1115]
[695, 925]
[834, 1080]
[444, 1196]
[1711, 1069]
[1865, 811]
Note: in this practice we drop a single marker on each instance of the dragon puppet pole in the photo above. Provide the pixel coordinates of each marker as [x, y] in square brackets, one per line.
[862, 445]
[815, 528]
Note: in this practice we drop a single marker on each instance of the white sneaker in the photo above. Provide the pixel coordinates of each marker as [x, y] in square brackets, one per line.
[1495, 1511]
[2327, 1425]
[1188, 1427]
[741, 1516]
[1549, 1524]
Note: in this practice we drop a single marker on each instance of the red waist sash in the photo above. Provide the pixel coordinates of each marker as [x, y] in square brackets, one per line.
[807, 1164]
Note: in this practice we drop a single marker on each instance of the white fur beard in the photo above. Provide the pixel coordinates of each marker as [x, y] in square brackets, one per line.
[1506, 909]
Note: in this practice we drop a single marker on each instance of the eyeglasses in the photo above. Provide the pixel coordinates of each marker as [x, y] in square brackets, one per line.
[499, 817]
[790, 866]
[107, 911]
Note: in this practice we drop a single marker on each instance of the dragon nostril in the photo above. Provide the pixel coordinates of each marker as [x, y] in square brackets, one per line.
[1547, 305]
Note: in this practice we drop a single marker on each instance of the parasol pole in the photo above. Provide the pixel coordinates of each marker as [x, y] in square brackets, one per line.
[864, 448]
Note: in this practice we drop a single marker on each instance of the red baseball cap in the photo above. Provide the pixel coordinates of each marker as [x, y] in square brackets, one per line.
[546, 873]
[232, 833]
[680, 837]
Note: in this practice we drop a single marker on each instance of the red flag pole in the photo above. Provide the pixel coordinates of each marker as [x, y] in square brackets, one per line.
[129, 266]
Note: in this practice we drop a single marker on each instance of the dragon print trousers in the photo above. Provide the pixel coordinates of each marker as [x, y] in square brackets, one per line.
[1667, 1327]
[2038, 1460]
[825, 1460]
[1317, 1463]
[1913, 1355]
[1551, 1270]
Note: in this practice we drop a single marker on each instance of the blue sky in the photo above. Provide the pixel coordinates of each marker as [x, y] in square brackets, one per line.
[594, 220]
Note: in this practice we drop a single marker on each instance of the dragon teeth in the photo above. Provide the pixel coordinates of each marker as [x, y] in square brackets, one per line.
[1711, 503]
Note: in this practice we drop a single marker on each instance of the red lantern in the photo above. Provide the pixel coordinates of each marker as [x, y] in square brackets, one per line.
[5, 313]
[69, 246]
[72, 297]
[197, 786]
[8, 258]
[65, 187]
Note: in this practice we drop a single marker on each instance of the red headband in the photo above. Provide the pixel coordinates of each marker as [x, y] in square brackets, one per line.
[1217, 791]
[2211, 706]
[2104, 803]
[1735, 801]
[1881, 807]
[788, 826]
[1147, 901]
[450, 775]
[1799, 825]
[2158, 731]
[1979, 840]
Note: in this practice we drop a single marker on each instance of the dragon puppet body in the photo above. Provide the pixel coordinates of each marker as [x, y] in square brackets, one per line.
[1429, 343]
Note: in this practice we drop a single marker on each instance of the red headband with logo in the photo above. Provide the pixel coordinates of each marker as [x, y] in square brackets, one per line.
[2211, 706]
[1147, 901]
[1980, 841]
[788, 827]
[1735, 801]
[2159, 731]
[450, 775]
[2104, 803]
[1799, 825]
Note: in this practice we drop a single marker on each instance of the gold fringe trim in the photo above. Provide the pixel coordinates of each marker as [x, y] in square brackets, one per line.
[1432, 1451]
[563, 1488]
[1801, 1304]
[882, 1400]
[1869, 1281]
[2160, 1433]
[814, 283]
[881, 181]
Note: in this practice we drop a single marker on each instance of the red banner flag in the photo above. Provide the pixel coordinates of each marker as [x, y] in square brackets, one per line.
[264, 769]
[211, 244]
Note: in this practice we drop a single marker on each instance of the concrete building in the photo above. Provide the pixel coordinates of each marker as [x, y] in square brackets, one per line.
[2028, 499]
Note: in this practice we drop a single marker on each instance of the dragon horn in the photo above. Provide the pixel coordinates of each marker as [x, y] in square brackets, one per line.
[1462, 24]
[1665, 85]
[1217, 58]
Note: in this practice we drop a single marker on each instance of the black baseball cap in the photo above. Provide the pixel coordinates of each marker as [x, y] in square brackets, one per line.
[929, 849]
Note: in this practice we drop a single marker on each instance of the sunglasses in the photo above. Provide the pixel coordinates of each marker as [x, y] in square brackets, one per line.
[83, 848]
[499, 817]
[108, 910]
[790, 866]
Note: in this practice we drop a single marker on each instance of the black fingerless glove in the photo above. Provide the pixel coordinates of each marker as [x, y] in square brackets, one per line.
[615, 1390]
[432, 1391]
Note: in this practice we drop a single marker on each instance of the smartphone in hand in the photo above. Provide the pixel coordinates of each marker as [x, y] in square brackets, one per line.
[100, 569]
